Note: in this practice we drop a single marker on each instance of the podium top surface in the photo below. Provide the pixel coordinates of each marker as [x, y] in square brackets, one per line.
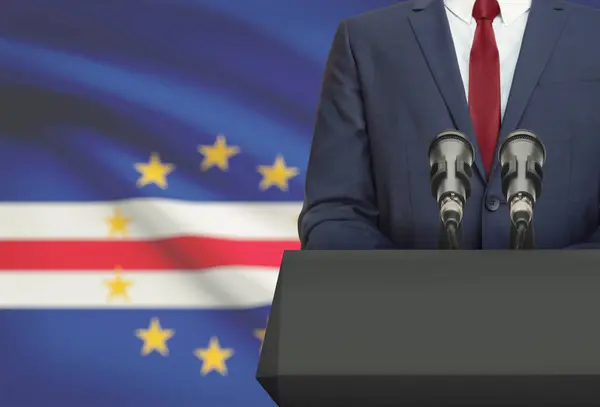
[436, 313]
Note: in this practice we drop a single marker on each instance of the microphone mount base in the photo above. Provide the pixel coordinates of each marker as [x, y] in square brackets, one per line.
[451, 209]
[521, 209]
[521, 227]
[451, 213]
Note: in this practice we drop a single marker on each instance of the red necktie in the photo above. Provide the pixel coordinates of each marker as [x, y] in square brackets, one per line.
[484, 81]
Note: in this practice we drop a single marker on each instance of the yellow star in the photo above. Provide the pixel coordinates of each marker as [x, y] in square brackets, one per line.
[153, 172]
[155, 338]
[213, 358]
[118, 286]
[276, 175]
[218, 154]
[260, 335]
[118, 224]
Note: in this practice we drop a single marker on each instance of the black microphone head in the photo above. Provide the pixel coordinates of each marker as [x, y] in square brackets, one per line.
[450, 160]
[451, 142]
[522, 156]
[522, 144]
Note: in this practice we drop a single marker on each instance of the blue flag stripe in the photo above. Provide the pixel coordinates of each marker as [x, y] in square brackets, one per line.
[105, 170]
[46, 363]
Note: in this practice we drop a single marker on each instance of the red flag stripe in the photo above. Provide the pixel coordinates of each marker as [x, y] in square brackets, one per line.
[182, 253]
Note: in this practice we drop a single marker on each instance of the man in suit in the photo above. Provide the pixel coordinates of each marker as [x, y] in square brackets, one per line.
[398, 76]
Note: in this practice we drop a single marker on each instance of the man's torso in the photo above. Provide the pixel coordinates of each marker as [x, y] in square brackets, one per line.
[413, 89]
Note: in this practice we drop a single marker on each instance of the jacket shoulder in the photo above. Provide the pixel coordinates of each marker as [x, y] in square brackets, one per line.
[377, 26]
[585, 13]
[377, 18]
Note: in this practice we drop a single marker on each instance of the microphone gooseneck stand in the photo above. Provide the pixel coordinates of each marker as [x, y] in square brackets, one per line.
[519, 235]
[450, 237]
[452, 233]
[522, 237]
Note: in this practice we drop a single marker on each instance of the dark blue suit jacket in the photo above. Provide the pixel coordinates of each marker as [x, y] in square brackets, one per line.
[392, 84]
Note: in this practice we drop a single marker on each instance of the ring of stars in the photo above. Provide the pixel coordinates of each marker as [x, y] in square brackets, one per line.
[155, 172]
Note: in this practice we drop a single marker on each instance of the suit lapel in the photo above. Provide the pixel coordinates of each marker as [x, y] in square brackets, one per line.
[430, 25]
[545, 24]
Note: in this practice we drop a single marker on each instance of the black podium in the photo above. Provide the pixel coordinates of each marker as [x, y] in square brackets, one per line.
[426, 328]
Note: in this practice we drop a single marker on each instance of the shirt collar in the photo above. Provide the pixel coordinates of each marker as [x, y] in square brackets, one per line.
[510, 10]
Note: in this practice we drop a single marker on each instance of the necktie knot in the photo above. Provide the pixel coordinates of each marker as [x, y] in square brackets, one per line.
[486, 10]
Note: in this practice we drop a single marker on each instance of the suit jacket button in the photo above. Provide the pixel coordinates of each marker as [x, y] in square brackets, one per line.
[492, 203]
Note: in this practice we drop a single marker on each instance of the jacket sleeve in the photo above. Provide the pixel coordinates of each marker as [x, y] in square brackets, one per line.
[592, 242]
[340, 211]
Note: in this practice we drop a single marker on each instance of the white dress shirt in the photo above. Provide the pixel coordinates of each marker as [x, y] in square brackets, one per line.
[509, 28]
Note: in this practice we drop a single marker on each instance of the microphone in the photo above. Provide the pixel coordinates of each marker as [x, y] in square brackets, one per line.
[450, 160]
[522, 156]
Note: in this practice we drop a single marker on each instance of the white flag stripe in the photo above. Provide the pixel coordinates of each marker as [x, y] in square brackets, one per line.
[151, 218]
[222, 288]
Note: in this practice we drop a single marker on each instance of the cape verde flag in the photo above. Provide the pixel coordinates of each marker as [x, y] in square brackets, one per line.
[151, 164]
[152, 157]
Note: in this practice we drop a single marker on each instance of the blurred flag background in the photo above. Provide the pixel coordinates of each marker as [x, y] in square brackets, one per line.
[152, 156]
